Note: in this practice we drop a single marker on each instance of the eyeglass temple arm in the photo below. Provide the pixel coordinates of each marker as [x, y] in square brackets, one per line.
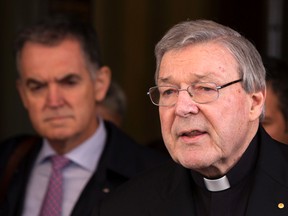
[228, 84]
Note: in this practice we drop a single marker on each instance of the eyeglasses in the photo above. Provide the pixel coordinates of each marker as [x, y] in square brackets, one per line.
[200, 92]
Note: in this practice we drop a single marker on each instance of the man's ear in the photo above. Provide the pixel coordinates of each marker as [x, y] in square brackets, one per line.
[102, 82]
[21, 91]
[257, 105]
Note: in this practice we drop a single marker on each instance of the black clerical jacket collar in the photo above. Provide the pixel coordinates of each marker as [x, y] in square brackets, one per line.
[243, 168]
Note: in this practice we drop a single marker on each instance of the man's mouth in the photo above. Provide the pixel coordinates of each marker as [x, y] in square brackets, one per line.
[192, 133]
[56, 118]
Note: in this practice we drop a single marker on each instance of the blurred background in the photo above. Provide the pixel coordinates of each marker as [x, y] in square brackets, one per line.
[128, 31]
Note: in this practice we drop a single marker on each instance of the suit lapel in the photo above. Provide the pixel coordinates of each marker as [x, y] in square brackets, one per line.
[269, 195]
[104, 179]
[267, 200]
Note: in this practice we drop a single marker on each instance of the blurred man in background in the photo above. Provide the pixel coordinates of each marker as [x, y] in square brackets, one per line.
[276, 104]
[113, 107]
[78, 157]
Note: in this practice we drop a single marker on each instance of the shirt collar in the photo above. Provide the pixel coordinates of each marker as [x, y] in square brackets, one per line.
[219, 184]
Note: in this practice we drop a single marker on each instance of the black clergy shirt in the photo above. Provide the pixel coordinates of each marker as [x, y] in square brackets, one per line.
[232, 201]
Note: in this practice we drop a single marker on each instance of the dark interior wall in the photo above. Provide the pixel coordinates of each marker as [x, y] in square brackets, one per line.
[285, 30]
[248, 17]
[128, 31]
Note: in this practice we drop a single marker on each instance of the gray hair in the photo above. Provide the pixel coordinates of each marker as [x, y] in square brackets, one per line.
[250, 65]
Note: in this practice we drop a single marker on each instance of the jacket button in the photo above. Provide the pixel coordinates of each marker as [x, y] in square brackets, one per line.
[106, 190]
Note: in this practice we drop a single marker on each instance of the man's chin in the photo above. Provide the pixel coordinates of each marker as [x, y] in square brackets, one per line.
[57, 135]
[193, 162]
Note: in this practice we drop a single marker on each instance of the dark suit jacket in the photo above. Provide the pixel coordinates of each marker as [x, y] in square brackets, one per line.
[167, 190]
[122, 159]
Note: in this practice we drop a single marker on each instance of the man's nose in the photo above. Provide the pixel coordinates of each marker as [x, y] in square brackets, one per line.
[54, 97]
[185, 105]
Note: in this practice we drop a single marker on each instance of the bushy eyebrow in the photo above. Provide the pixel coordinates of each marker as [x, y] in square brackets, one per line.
[31, 81]
[67, 77]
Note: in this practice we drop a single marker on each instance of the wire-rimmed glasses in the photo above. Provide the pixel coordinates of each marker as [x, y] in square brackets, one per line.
[200, 92]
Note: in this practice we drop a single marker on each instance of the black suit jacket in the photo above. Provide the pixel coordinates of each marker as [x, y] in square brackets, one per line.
[122, 159]
[167, 190]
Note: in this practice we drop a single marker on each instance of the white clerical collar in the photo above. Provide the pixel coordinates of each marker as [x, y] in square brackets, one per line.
[215, 185]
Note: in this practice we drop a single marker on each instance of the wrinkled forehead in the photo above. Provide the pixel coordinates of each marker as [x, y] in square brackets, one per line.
[204, 60]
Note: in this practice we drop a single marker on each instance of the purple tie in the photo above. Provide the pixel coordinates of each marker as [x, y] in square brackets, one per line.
[52, 204]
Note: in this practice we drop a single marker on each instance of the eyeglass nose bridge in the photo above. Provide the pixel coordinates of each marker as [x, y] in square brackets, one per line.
[187, 90]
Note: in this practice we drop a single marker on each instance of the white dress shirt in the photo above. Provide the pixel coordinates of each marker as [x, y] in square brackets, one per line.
[84, 160]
